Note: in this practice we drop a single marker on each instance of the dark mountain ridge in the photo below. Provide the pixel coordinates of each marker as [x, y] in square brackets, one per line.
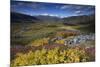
[84, 19]
[48, 18]
[73, 20]
[18, 17]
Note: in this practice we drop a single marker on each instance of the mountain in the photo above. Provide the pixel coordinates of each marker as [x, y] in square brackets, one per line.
[48, 18]
[18, 17]
[74, 20]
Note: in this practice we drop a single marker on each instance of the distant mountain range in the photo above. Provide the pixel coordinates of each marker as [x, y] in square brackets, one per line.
[18, 17]
[84, 19]
[48, 18]
[74, 20]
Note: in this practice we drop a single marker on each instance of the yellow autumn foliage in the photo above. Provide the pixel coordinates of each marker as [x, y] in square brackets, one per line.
[60, 41]
[39, 42]
[53, 56]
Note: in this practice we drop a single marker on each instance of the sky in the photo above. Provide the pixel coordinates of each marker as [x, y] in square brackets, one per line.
[51, 9]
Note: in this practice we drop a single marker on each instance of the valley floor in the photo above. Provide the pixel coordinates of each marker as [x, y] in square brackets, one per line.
[35, 44]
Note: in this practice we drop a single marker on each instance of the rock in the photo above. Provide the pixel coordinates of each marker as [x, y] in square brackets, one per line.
[79, 39]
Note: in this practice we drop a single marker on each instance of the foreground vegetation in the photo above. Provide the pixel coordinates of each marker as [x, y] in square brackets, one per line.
[44, 49]
[53, 56]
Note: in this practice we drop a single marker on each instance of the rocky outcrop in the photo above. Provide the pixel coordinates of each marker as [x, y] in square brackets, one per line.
[79, 39]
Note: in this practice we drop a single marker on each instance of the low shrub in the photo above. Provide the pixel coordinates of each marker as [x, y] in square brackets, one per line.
[53, 56]
[39, 42]
[67, 33]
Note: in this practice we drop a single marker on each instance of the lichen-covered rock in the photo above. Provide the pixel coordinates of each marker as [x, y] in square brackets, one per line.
[79, 39]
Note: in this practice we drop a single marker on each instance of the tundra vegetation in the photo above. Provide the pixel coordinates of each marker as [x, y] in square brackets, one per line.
[36, 43]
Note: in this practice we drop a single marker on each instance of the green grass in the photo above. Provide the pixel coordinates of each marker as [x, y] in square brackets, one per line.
[33, 31]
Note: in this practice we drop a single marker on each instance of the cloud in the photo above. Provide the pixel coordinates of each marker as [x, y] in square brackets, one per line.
[77, 12]
[46, 14]
[53, 15]
[65, 7]
[71, 7]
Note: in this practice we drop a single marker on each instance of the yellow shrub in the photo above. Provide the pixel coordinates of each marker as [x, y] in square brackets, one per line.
[40, 42]
[75, 55]
[60, 41]
[53, 56]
